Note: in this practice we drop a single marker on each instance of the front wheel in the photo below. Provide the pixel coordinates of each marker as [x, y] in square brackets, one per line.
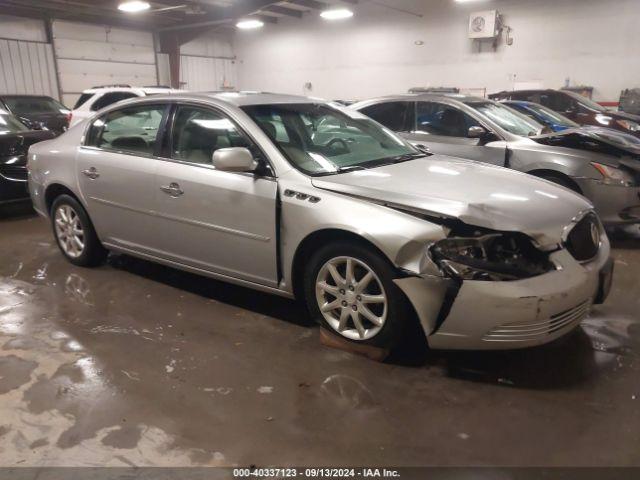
[75, 234]
[349, 289]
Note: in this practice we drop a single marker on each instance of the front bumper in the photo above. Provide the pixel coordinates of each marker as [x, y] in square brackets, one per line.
[509, 315]
[615, 205]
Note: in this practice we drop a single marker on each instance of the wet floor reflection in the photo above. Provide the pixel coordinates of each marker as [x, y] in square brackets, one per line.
[135, 363]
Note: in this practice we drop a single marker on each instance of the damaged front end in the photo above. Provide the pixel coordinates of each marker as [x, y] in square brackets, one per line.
[501, 290]
[490, 256]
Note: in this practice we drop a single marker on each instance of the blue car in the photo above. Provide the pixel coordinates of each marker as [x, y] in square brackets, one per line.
[543, 115]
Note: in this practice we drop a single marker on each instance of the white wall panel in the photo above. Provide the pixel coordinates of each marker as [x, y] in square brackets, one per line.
[18, 28]
[27, 67]
[382, 51]
[91, 55]
[206, 74]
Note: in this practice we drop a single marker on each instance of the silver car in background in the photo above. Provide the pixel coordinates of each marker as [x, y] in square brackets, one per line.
[487, 131]
[307, 199]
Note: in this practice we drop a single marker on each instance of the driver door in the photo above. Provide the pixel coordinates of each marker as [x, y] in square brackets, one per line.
[444, 129]
[222, 222]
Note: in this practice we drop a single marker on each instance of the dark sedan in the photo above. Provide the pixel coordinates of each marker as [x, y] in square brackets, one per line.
[577, 108]
[15, 140]
[38, 112]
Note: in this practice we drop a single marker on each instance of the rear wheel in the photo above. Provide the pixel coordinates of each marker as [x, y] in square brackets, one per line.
[75, 234]
[349, 289]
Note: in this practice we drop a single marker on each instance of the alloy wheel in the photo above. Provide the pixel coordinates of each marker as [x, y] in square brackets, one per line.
[69, 231]
[351, 298]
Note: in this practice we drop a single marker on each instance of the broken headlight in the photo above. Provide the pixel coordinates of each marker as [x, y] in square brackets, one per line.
[614, 176]
[491, 257]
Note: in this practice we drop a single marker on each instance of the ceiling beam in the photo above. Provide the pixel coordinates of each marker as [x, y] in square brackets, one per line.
[221, 15]
[21, 10]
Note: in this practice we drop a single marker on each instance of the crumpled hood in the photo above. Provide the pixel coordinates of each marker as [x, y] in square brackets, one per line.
[475, 193]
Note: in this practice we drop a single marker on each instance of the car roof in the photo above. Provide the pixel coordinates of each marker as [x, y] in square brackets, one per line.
[18, 95]
[128, 89]
[241, 99]
[459, 97]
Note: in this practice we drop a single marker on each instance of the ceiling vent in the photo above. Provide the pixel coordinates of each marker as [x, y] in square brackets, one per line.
[484, 24]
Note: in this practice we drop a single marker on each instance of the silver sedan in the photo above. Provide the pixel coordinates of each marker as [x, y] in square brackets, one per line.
[487, 131]
[306, 199]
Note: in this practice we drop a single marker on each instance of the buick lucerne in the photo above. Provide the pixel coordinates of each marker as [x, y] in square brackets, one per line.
[309, 200]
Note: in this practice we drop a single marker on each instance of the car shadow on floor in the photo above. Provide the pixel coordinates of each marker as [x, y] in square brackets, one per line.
[241, 297]
[562, 363]
[16, 211]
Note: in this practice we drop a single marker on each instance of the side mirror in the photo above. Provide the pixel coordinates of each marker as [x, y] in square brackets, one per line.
[476, 132]
[234, 159]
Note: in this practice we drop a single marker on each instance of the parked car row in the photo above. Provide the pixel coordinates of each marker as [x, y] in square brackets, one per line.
[315, 201]
[590, 162]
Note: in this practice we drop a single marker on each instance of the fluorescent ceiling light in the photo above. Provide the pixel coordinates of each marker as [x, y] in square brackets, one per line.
[249, 24]
[134, 6]
[336, 14]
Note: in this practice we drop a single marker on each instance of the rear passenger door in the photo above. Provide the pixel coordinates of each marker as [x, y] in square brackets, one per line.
[116, 170]
[444, 129]
[222, 222]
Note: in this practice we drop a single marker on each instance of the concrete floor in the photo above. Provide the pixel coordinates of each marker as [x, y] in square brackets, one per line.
[137, 364]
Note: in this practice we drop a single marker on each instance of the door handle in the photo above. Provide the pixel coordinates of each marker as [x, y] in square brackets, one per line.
[172, 189]
[92, 173]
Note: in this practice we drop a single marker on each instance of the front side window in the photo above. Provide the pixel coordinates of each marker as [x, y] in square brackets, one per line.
[130, 130]
[198, 132]
[506, 118]
[440, 119]
[111, 98]
[322, 140]
[396, 116]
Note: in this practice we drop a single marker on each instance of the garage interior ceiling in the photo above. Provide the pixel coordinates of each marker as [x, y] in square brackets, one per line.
[164, 15]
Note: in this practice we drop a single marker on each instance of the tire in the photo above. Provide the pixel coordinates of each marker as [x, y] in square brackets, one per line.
[69, 219]
[559, 179]
[392, 315]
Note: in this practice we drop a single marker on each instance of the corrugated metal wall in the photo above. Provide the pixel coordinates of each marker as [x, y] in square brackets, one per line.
[200, 73]
[27, 67]
[91, 55]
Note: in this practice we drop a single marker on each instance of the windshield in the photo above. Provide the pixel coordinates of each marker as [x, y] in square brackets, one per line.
[549, 116]
[25, 105]
[10, 124]
[590, 104]
[322, 140]
[508, 119]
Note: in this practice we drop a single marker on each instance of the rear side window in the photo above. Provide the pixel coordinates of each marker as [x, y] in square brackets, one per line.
[111, 98]
[130, 130]
[396, 116]
[27, 104]
[84, 98]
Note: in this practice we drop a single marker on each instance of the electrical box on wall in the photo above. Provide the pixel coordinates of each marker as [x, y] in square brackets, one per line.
[484, 24]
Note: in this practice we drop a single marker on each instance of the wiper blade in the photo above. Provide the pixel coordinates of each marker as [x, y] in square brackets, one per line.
[407, 157]
[350, 168]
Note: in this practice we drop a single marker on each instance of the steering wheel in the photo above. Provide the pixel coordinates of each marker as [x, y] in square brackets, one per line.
[345, 146]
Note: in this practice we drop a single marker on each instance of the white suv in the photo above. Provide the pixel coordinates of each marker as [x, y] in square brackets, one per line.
[97, 98]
